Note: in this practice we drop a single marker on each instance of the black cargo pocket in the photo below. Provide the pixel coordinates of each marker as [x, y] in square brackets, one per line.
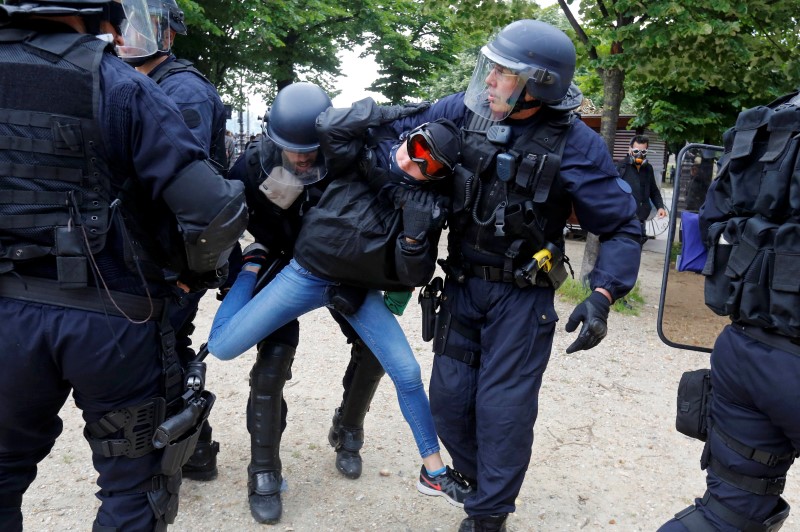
[721, 291]
[694, 398]
[757, 242]
[785, 285]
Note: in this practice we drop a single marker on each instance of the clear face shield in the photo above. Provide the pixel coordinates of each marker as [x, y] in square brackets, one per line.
[496, 85]
[285, 182]
[137, 31]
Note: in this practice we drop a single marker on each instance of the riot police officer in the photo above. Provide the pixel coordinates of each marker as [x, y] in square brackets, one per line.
[750, 223]
[202, 110]
[528, 160]
[277, 200]
[99, 225]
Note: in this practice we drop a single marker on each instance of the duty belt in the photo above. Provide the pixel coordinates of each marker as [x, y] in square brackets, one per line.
[773, 339]
[92, 299]
[491, 273]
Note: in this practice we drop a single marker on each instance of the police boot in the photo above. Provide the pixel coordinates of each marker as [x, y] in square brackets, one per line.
[267, 379]
[202, 465]
[486, 523]
[346, 434]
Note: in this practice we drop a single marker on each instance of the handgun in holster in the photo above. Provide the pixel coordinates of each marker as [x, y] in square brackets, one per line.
[549, 262]
[178, 434]
[430, 298]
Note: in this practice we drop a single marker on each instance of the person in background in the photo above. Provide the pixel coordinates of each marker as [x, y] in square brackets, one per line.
[100, 226]
[637, 171]
[204, 114]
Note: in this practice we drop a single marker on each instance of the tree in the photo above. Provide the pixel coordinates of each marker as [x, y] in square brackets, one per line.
[266, 45]
[706, 61]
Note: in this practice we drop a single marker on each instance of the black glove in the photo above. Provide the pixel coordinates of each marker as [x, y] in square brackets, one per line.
[421, 213]
[593, 312]
[204, 281]
[390, 113]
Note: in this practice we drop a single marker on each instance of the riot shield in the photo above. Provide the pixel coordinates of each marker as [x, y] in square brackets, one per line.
[684, 320]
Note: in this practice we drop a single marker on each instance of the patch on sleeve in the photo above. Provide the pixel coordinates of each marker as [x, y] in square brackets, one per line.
[621, 183]
[191, 117]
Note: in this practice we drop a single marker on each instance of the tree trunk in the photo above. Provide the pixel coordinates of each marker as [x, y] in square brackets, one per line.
[613, 93]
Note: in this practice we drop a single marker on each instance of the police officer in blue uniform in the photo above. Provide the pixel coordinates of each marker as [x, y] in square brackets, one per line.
[528, 160]
[277, 203]
[751, 226]
[100, 225]
[202, 110]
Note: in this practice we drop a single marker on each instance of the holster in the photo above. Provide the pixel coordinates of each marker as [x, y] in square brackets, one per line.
[429, 300]
[178, 434]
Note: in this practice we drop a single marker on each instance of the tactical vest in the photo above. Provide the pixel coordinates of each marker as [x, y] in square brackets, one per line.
[217, 150]
[503, 215]
[751, 270]
[54, 184]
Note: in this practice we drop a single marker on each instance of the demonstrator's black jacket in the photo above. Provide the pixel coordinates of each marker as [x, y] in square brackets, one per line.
[354, 235]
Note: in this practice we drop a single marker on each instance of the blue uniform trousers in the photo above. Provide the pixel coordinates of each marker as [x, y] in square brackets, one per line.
[485, 414]
[756, 393]
[108, 363]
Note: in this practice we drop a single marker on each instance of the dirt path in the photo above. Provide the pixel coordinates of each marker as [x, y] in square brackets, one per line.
[605, 457]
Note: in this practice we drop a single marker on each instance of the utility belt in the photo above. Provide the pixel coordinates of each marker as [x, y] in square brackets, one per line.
[770, 338]
[547, 268]
[91, 299]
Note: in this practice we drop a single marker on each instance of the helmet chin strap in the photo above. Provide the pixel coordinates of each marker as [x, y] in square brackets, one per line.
[139, 61]
[523, 104]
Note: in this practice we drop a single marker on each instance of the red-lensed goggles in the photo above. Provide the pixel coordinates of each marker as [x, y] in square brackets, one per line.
[422, 150]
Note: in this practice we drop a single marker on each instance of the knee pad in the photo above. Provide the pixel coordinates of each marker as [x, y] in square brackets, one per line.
[271, 370]
[695, 521]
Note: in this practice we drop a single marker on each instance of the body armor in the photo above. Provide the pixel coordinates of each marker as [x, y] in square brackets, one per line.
[512, 212]
[754, 241]
[54, 183]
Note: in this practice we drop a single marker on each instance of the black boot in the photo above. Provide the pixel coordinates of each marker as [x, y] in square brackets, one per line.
[485, 523]
[267, 379]
[202, 465]
[346, 434]
[347, 443]
[264, 496]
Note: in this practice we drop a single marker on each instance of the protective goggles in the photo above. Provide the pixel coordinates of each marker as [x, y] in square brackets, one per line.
[639, 152]
[422, 151]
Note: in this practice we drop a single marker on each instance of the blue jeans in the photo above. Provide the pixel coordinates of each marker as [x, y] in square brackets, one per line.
[243, 320]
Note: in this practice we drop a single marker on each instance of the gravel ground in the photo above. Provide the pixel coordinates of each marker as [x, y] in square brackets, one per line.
[605, 457]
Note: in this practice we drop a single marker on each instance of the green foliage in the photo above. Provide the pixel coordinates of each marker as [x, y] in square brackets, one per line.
[574, 292]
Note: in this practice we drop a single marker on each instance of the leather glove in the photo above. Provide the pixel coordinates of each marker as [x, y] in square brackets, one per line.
[421, 213]
[390, 113]
[593, 312]
[204, 281]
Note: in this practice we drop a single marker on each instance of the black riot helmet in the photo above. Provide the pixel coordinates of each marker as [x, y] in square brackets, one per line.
[291, 120]
[529, 56]
[290, 128]
[169, 10]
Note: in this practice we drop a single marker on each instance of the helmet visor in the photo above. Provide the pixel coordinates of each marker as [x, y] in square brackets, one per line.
[137, 31]
[422, 150]
[495, 86]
